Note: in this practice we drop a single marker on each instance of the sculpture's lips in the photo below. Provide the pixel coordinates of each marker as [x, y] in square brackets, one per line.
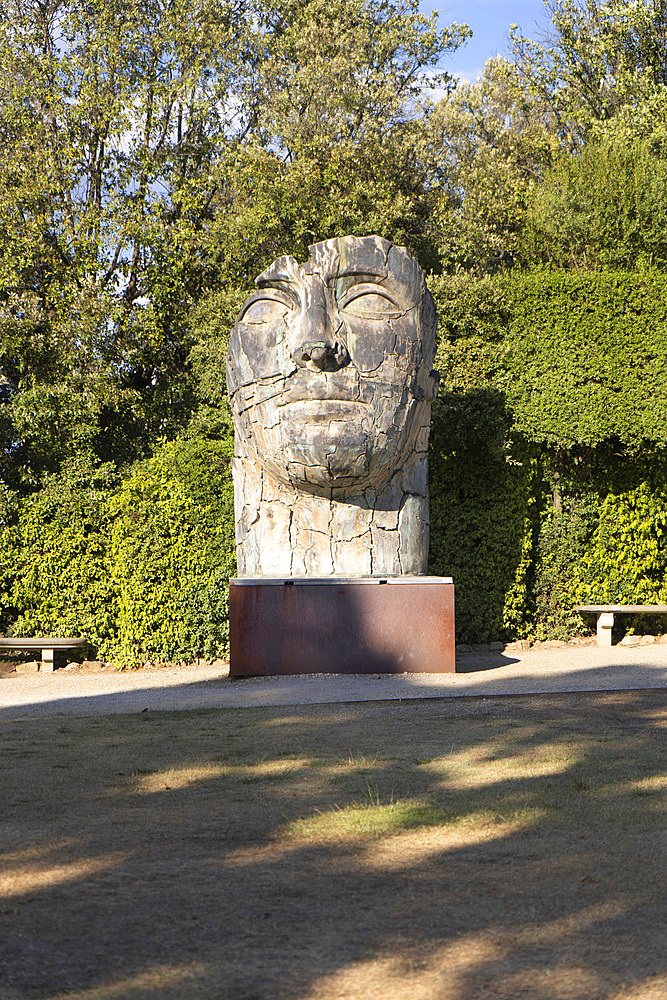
[337, 388]
[320, 391]
[323, 410]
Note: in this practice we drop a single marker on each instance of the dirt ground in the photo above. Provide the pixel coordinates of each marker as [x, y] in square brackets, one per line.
[499, 848]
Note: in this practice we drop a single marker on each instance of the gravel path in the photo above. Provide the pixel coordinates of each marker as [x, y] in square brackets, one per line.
[538, 671]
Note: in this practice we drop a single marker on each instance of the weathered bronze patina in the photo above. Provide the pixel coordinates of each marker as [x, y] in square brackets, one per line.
[330, 381]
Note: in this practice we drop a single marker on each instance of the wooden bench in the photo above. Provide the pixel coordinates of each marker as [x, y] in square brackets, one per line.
[48, 646]
[606, 612]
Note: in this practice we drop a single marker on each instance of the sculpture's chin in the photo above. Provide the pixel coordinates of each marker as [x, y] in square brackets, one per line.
[339, 450]
[354, 464]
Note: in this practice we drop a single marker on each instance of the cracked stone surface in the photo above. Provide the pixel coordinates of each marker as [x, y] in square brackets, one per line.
[330, 381]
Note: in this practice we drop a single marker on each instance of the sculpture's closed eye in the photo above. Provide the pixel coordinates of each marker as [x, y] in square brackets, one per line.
[369, 303]
[264, 309]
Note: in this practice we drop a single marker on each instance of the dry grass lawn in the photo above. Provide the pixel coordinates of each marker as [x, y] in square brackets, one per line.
[501, 848]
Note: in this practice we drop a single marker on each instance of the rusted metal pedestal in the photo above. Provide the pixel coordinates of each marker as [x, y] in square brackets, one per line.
[334, 626]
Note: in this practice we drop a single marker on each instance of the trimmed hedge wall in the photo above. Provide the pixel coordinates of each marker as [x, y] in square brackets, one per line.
[172, 553]
[549, 469]
[548, 484]
[580, 357]
[482, 509]
[54, 578]
[140, 567]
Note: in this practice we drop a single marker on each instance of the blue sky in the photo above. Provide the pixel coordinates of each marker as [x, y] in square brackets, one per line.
[490, 21]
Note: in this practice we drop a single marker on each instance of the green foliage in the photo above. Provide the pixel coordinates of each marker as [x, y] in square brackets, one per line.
[586, 358]
[54, 577]
[139, 568]
[557, 154]
[581, 357]
[568, 518]
[109, 115]
[469, 307]
[172, 552]
[603, 59]
[604, 207]
[490, 141]
[552, 382]
[605, 542]
[625, 561]
[481, 515]
[335, 140]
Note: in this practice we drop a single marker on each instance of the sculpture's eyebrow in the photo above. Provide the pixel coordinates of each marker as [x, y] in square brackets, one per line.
[362, 274]
[348, 278]
[283, 273]
[282, 284]
[271, 282]
[398, 291]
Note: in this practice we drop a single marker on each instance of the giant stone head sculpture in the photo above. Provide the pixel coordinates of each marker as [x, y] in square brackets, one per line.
[330, 382]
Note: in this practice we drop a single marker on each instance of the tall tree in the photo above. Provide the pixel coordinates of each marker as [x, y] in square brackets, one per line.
[152, 150]
[599, 59]
[337, 105]
[110, 115]
[489, 144]
[605, 206]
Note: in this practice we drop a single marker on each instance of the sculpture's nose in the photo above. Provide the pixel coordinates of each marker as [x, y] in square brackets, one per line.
[316, 342]
[326, 357]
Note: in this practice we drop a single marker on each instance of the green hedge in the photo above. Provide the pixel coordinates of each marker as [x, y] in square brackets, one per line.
[172, 553]
[548, 483]
[481, 535]
[54, 577]
[581, 357]
[586, 358]
[139, 567]
[606, 544]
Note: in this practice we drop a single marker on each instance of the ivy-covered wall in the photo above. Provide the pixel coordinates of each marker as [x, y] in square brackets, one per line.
[171, 553]
[548, 484]
[139, 567]
[549, 461]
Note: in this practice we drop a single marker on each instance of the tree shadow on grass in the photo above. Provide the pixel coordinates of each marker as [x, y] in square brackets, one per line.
[501, 848]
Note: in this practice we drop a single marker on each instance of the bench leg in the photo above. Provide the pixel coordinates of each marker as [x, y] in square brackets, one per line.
[47, 661]
[605, 625]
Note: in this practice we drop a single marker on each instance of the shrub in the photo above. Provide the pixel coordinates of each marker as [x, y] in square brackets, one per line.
[548, 477]
[53, 548]
[172, 551]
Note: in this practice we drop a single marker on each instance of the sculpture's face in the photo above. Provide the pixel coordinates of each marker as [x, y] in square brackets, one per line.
[329, 365]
